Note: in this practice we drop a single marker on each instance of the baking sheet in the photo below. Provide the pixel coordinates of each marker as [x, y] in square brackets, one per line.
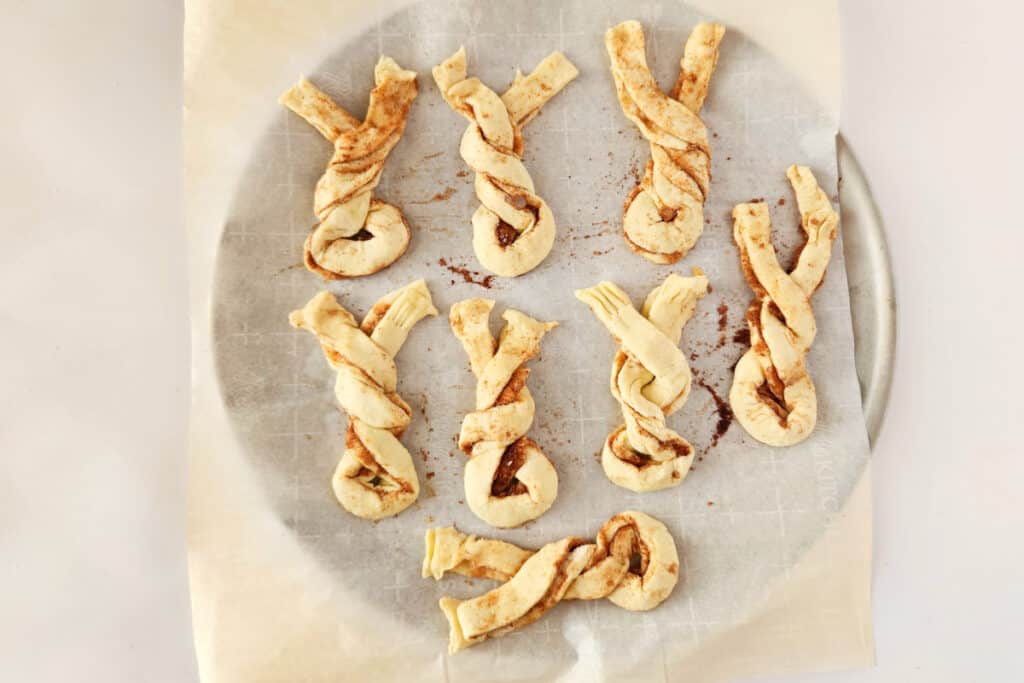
[751, 522]
[872, 294]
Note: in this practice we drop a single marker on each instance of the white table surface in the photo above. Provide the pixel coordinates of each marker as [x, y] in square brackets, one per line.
[94, 338]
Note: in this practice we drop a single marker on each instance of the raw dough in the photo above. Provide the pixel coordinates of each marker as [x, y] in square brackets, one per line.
[513, 228]
[508, 478]
[772, 395]
[664, 215]
[650, 379]
[357, 234]
[376, 477]
[633, 563]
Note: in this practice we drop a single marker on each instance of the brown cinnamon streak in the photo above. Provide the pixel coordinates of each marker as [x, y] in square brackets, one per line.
[514, 457]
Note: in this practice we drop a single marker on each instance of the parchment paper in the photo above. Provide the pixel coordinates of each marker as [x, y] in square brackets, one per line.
[286, 585]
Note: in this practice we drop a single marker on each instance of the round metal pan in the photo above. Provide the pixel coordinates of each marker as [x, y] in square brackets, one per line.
[872, 294]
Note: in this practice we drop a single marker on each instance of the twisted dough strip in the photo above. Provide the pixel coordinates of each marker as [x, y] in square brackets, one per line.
[508, 478]
[650, 379]
[357, 235]
[513, 229]
[772, 395]
[664, 215]
[633, 563]
[376, 477]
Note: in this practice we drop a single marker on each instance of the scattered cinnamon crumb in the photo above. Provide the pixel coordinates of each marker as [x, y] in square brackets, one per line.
[711, 503]
[430, 475]
[782, 201]
[462, 173]
[471, 276]
[723, 322]
[721, 407]
[742, 337]
[634, 171]
[439, 197]
[423, 455]
[605, 231]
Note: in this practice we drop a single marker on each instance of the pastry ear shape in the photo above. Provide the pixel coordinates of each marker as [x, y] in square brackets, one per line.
[664, 215]
[772, 394]
[357, 235]
[513, 228]
[376, 477]
[633, 562]
[509, 480]
[650, 379]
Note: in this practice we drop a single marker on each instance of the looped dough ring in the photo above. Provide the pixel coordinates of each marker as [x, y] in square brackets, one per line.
[633, 563]
[650, 379]
[664, 215]
[772, 395]
[376, 477]
[357, 234]
[513, 228]
[508, 478]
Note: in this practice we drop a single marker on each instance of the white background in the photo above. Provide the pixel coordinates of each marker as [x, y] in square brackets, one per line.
[94, 338]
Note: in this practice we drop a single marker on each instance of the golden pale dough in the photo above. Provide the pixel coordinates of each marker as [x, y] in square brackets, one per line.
[513, 228]
[772, 395]
[633, 562]
[650, 379]
[376, 477]
[508, 478]
[664, 215]
[357, 235]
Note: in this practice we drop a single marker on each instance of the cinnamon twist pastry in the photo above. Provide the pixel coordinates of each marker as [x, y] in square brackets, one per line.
[650, 379]
[513, 229]
[376, 477]
[633, 563]
[357, 234]
[508, 478]
[772, 395]
[664, 215]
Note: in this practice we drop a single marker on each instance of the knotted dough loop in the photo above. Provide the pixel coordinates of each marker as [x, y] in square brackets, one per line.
[772, 395]
[357, 234]
[633, 562]
[508, 478]
[513, 228]
[664, 215]
[376, 477]
[650, 379]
